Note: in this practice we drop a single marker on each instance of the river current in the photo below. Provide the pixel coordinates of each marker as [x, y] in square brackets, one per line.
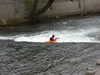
[67, 30]
[23, 51]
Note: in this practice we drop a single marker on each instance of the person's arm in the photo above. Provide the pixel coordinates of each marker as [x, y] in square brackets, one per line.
[56, 38]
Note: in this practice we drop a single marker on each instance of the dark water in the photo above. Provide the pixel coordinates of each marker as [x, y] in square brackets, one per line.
[69, 58]
[47, 59]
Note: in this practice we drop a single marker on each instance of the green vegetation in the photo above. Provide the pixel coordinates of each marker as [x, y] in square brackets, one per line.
[3, 22]
[41, 4]
[28, 6]
[17, 21]
[34, 9]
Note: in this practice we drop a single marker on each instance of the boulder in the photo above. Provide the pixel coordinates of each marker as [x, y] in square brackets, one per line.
[90, 73]
[98, 62]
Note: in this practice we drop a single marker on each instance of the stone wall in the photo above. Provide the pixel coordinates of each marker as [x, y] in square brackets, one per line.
[11, 9]
[68, 7]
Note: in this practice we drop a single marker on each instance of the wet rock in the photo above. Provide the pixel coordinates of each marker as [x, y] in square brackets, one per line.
[90, 71]
[98, 62]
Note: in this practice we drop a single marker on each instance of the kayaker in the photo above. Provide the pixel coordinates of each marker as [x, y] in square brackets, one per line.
[52, 38]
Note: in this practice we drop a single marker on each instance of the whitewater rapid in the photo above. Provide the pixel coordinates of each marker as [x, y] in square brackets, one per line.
[79, 35]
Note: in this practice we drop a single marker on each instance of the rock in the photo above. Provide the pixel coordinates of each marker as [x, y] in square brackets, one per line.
[90, 73]
[90, 69]
[98, 62]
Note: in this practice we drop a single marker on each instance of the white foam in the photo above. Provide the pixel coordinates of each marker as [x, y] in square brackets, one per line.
[64, 22]
[64, 36]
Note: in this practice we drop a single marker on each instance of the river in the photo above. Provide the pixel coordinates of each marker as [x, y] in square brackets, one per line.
[23, 51]
[67, 30]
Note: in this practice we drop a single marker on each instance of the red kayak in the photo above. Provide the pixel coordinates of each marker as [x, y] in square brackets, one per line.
[51, 41]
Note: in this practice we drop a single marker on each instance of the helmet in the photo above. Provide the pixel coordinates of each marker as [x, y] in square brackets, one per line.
[53, 35]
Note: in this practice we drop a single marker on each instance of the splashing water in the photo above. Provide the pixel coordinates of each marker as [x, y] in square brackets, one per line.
[79, 35]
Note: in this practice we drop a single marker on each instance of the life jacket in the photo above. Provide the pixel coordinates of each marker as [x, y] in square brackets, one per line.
[52, 39]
